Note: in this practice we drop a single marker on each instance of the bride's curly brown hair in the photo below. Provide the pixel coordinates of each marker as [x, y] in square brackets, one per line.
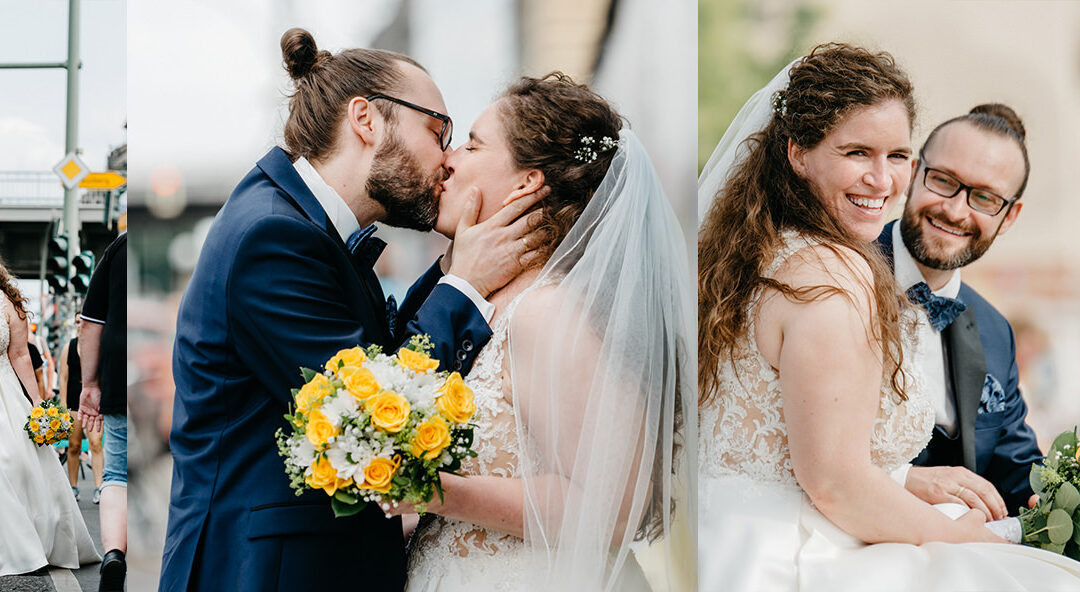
[764, 197]
[11, 291]
[544, 120]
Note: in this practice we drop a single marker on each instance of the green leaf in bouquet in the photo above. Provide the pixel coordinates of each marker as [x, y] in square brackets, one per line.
[345, 508]
[1067, 498]
[308, 374]
[1055, 548]
[1064, 439]
[1076, 528]
[1035, 478]
[1059, 527]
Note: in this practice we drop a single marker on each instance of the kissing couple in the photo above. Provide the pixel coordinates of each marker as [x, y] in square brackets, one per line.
[563, 298]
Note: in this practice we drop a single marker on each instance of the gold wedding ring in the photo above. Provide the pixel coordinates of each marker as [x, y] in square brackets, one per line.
[959, 491]
[525, 243]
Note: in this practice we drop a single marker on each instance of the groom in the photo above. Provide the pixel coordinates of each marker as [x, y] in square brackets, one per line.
[964, 193]
[285, 280]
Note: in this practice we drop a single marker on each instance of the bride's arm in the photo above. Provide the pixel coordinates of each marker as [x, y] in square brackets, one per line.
[19, 354]
[831, 377]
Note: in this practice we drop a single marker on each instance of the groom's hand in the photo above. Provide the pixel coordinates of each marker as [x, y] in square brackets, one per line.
[489, 254]
[939, 485]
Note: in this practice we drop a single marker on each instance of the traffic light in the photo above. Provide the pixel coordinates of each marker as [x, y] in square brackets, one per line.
[56, 266]
[83, 267]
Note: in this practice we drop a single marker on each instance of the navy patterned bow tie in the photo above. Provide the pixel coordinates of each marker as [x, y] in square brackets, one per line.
[943, 311]
[364, 247]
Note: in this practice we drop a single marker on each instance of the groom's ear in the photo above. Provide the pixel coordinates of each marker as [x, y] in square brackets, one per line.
[531, 182]
[361, 115]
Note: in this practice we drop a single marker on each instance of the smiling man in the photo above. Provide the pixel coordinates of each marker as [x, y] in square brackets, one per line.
[971, 173]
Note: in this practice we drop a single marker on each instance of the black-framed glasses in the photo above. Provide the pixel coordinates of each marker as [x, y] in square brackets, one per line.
[447, 131]
[978, 199]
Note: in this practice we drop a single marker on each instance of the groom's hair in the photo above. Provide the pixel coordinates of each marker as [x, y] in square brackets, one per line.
[324, 85]
[997, 119]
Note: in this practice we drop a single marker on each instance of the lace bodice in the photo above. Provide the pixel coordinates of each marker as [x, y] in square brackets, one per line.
[742, 428]
[5, 331]
[495, 439]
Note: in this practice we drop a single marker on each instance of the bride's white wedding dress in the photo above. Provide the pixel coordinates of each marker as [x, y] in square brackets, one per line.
[758, 531]
[40, 523]
[446, 554]
[449, 555]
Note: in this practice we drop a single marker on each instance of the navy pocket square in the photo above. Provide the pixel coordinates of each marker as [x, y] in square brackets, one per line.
[993, 396]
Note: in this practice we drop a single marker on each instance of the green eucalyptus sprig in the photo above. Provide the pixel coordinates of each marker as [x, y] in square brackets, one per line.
[1054, 523]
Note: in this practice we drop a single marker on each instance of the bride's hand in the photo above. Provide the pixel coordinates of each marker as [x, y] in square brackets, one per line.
[975, 523]
[489, 254]
[939, 485]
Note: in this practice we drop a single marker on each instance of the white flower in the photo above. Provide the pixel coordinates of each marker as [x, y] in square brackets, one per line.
[301, 451]
[338, 407]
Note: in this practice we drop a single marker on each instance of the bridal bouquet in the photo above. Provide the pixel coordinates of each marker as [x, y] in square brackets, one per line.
[377, 428]
[48, 423]
[1054, 523]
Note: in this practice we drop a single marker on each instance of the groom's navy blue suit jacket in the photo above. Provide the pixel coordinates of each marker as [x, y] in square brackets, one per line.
[275, 289]
[993, 439]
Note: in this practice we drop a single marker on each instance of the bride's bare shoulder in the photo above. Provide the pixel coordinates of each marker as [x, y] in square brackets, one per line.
[829, 265]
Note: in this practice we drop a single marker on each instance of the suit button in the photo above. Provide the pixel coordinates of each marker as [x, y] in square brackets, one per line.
[467, 345]
[457, 365]
[461, 355]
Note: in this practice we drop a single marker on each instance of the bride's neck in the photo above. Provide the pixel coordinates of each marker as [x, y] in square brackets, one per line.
[502, 297]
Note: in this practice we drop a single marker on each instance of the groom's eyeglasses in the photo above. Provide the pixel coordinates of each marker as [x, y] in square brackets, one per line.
[946, 185]
[447, 131]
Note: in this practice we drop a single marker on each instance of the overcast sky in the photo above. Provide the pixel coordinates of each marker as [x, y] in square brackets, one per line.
[33, 102]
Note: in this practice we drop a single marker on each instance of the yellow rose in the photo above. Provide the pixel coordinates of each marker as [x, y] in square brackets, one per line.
[360, 382]
[379, 474]
[389, 411]
[37, 412]
[49, 434]
[54, 424]
[66, 416]
[416, 361]
[311, 394]
[456, 401]
[39, 439]
[351, 357]
[430, 438]
[52, 412]
[324, 476]
[319, 429]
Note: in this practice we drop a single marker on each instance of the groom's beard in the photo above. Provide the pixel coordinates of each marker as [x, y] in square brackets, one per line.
[401, 187]
[920, 249]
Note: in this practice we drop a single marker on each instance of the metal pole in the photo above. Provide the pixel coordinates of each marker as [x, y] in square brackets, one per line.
[71, 138]
[34, 65]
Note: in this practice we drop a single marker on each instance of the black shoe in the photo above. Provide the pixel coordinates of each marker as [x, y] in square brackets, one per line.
[113, 571]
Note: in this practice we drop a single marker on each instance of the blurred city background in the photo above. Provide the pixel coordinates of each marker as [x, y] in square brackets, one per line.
[51, 254]
[208, 100]
[958, 54]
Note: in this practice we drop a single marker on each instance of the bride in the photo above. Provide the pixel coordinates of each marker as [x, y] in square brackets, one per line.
[807, 401]
[582, 395]
[40, 523]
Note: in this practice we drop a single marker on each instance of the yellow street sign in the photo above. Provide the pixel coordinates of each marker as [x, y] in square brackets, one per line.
[103, 181]
[71, 170]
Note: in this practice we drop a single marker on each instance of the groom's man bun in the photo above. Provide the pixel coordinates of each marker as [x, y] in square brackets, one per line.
[545, 121]
[998, 119]
[325, 83]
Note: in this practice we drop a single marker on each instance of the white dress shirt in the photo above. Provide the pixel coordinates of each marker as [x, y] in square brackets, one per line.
[929, 359]
[345, 222]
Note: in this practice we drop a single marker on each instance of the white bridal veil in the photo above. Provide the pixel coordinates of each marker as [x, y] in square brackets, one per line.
[752, 118]
[604, 386]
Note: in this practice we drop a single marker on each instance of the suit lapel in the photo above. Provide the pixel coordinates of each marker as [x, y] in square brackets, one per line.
[967, 365]
[277, 166]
